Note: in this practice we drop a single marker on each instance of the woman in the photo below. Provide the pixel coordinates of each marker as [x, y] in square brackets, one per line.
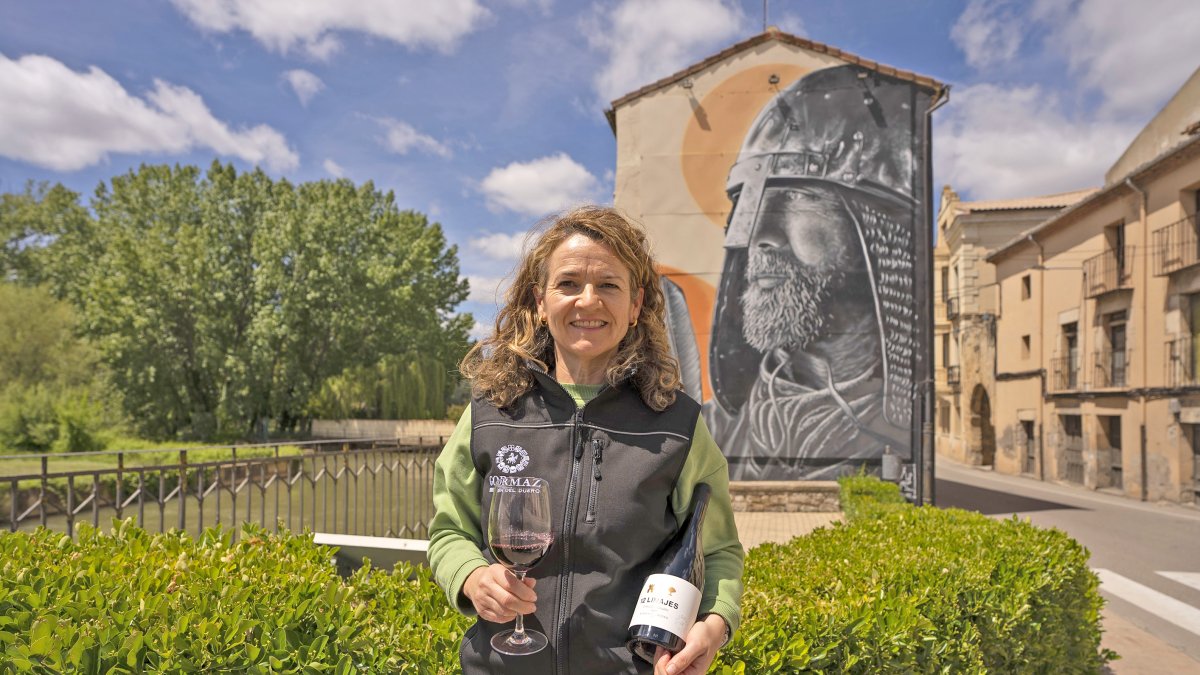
[578, 376]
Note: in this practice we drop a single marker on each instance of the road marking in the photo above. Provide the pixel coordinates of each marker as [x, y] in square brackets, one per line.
[1186, 578]
[1160, 604]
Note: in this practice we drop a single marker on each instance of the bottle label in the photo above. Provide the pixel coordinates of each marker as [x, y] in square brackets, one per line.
[667, 602]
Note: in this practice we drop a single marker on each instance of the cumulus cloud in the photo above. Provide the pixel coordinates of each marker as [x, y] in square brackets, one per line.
[334, 169]
[312, 25]
[401, 138]
[644, 40]
[988, 32]
[996, 143]
[1135, 53]
[480, 330]
[66, 120]
[305, 84]
[539, 186]
[500, 246]
[486, 290]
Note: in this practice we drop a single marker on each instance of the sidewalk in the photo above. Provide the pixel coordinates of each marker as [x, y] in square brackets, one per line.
[755, 528]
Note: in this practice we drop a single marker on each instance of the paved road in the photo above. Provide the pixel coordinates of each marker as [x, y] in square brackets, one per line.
[1147, 555]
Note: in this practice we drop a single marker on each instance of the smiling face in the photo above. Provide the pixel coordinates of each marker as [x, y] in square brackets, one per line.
[588, 302]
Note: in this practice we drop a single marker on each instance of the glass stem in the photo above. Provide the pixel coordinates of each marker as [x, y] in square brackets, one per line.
[518, 636]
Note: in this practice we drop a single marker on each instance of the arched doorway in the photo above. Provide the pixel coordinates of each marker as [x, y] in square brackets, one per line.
[983, 434]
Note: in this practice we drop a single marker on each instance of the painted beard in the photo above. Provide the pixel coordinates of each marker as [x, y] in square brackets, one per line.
[792, 313]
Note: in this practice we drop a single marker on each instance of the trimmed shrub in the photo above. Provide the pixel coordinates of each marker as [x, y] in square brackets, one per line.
[901, 589]
[130, 602]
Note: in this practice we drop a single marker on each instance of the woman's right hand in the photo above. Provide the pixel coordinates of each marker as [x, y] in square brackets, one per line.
[498, 595]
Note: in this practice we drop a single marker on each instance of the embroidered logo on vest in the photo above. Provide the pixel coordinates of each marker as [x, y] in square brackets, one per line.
[512, 458]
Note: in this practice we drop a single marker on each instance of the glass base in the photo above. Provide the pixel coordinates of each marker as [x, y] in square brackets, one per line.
[533, 643]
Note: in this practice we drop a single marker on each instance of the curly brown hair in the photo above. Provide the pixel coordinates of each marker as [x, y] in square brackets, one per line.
[497, 365]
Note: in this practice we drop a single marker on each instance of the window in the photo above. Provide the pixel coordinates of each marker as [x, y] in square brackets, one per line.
[945, 350]
[1071, 351]
[1025, 346]
[1110, 425]
[1117, 357]
[944, 417]
[945, 284]
[1026, 287]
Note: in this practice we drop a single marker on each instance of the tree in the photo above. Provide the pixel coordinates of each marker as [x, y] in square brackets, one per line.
[32, 224]
[224, 299]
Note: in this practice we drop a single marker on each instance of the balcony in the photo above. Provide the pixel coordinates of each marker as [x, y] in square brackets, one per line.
[951, 308]
[1181, 361]
[954, 375]
[1108, 272]
[1110, 369]
[1176, 246]
[1065, 374]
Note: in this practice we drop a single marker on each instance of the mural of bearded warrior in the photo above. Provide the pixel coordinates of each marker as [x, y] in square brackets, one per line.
[816, 336]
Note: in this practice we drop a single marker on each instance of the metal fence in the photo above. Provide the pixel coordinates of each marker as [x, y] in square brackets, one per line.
[1110, 368]
[1064, 373]
[374, 487]
[1176, 246]
[1109, 271]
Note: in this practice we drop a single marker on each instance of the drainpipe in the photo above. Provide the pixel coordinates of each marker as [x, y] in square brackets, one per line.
[1041, 320]
[1142, 208]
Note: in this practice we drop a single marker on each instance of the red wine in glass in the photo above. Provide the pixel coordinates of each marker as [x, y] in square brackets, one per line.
[520, 534]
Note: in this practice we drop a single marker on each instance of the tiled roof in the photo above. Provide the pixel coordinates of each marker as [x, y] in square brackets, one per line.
[773, 33]
[1055, 201]
[1164, 161]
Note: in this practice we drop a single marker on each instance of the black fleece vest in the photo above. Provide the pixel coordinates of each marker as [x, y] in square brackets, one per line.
[611, 467]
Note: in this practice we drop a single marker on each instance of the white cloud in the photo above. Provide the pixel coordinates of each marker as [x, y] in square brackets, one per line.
[65, 120]
[997, 143]
[791, 23]
[539, 186]
[487, 290]
[401, 137]
[334, 169]
[1135, 53]
[644, 40]
[480, 330]
[305, 84]
[283, 25]
[988, 33]
[500, 246]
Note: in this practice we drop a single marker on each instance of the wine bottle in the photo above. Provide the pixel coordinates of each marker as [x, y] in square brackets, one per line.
[670, 598]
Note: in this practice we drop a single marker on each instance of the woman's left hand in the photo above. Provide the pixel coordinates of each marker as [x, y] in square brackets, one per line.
[702, 642]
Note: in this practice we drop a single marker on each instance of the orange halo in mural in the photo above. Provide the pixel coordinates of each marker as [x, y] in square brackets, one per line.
[718, 126]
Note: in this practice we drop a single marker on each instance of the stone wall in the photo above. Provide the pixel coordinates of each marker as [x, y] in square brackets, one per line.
[785, 496]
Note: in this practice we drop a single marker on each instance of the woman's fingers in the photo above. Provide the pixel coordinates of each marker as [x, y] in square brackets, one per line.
[497, 594]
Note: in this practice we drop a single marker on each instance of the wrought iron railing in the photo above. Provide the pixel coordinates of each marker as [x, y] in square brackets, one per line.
[1110, 368]
[1064, 373]
[951, 307]
[953, 375]
[1176, 246]
[375, 487]
[1180, 361]
[1109, 271]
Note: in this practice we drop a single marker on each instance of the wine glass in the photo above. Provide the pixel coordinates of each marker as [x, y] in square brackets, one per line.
[520, 535]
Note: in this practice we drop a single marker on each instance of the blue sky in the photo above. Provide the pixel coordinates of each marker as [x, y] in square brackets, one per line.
[487, 115]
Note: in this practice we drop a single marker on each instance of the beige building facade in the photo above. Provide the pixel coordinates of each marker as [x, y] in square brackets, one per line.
[965, 314]
[1098, 329]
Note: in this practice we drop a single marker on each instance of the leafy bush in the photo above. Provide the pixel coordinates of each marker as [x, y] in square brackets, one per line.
[904, 589]
[131, 602]
[900, 590]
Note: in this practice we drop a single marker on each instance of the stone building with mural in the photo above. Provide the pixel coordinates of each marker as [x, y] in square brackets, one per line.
[785, 184]
[965, 311]
[1098, 329]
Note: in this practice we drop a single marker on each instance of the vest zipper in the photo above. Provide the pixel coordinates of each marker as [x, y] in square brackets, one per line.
[564, 583]
[597, 457]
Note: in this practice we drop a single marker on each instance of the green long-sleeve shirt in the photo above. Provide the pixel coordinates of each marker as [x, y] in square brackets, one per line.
[456, 538]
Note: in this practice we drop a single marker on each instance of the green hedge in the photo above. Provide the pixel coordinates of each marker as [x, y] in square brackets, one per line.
[900, 589]
[896, 590]
[130, 602]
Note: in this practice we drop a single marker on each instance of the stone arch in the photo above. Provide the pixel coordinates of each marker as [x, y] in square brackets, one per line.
[981, 444]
